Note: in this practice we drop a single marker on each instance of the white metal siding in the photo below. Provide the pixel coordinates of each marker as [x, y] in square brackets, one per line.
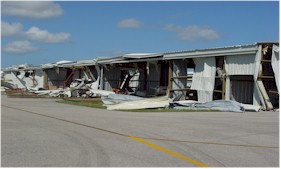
[56, 78]
[240, 64]
[242, 91]
[153, 78]
[38, 79]
[203, 79]
[12, 78]
[257, 96]
[275, 65]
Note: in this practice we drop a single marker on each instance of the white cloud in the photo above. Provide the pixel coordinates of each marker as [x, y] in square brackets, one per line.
[8, 29]
[31, 9]
[193, 32]
[39, 35]
[19, 47]
[129, 23]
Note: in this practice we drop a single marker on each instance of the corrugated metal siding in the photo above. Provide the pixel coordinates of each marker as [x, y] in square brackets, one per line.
[27, 81]
[141, 81]
[153, 79]
[52, 77]
[39, 77]
[55, 79]
[241, 90]
[112, 78]
[203, 79]
[179, 69]
[16, 81]
[39, 80]
[257, 97]
[240, 64]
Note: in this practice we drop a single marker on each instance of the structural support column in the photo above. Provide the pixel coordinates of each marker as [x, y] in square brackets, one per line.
[223, 82]
[227, 88]
[101, 79]
[145, 78]
[45, 83]
[170, 75]
[33, 78]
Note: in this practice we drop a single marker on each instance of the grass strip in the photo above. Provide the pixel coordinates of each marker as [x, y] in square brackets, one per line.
[26, 95]
[94, 103]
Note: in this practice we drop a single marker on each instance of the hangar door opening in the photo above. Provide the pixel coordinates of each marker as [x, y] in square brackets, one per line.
[242, 88]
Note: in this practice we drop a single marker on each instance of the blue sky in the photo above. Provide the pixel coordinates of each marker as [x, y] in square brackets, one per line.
[46, 32]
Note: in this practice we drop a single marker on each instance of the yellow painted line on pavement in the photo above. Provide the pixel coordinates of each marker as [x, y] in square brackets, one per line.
[190, 160]
[146, 138]
[140, 139]
[201, 142]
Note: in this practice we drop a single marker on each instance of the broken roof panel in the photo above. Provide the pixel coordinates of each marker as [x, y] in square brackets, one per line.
[86, 63]
[22, 67]
[108, 60]
[57, 64]
[48, 66]
[130, 58]
[63, 62]
[138, 60]
[11, 68]
[37, 67]
[80, 63]
[141, 55]
[209, 52]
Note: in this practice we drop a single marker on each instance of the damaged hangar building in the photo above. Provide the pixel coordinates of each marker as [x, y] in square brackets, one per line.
[247, 74]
